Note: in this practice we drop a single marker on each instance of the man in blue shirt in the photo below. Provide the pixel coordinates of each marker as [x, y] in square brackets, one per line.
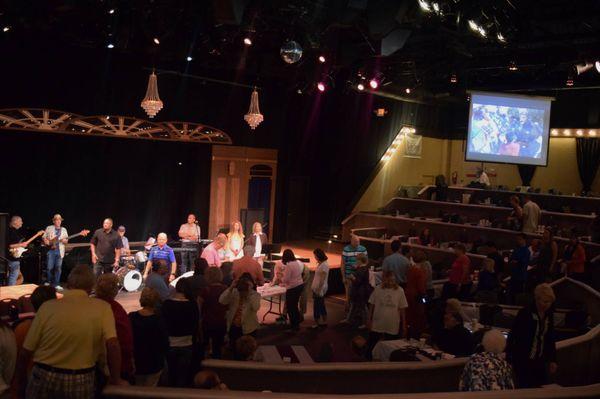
[397, 263]
[157, 279]
[349, 254]
[161, 251]
[518, 262]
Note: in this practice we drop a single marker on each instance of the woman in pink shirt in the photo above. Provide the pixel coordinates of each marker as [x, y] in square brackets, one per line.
[292, 281]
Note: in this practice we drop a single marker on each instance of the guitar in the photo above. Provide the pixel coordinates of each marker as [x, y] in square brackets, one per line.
[52, 242]
[18, 251]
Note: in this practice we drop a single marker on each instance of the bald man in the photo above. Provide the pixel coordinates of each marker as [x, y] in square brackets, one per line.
[105, 247]
[161, 251]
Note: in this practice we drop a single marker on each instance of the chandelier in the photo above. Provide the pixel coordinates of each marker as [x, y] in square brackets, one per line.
[151, 103]
[254, 117]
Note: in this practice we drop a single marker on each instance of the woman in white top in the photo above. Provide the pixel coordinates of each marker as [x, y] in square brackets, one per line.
[8, 357]
[319, 288]
[387, 306]
[294, 284]
[235, 242]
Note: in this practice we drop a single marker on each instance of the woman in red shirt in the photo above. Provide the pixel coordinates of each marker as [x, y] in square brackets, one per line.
[459, 278]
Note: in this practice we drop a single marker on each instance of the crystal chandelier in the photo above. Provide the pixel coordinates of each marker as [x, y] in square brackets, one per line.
[151, 103]
[254, 117]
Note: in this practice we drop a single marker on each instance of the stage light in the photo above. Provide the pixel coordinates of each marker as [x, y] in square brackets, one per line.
[322, 59]
[407, 90]
[360, 87]
[328, 241]
[6, 29]
[554, 132]
[188, 59]
[597, 65]
[299, 91]
[110, 45]
[111, 11]
[453, 78]
[501, 38]
[592, 133]
[579, 132]
[247, 41]
[473, 25]
[374, 84]
[424, 6]
[335, 236]
[156, 41]
[321, 86]
[179, 163]
[436, 7]
[567, 132]
[569, 81]
[512, 66]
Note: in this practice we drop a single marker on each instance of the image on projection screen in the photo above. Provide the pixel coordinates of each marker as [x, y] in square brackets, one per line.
[508, 129]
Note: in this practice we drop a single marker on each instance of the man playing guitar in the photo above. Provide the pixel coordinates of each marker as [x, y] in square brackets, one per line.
[16, 247]
[55, 237]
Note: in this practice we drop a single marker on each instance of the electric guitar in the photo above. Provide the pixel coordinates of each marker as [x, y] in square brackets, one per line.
[18, 251]
[52, 243]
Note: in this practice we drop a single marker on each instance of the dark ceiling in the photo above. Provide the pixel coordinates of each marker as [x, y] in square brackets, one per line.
[545, 39]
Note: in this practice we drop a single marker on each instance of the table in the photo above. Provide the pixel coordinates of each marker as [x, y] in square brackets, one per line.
[384, 349]
[273, 295]
[16, 291]
[280, 354]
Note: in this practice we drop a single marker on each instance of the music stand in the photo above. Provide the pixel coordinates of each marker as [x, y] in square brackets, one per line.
[268, 249]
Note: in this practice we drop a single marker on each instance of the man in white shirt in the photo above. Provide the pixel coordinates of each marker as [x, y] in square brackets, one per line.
[531, 215]
[55, 237]
[189, 233]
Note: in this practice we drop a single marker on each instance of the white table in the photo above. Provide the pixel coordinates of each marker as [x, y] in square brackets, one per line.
[384, 349]
[273, 295]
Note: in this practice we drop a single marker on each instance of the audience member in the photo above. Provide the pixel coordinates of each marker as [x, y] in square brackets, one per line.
[574, 259]
[248, 264]
[213, 251]
[518, 263]
[496, 257]
[420, 259]
[425, 238]
[534, 251]
[360, 291]
[214, 323]
[208, 379]
[459, 279]
[245, 348]
[397, 263]
[546, 264]
[150, 339]
[531, 342]
[348, 266]
[197, 281]
[531, 215]
[488, 371]
[107, 288]
[8, 358]
[515, 219]
[306, 292]
[454, 338]
[182, 319]
[416, 290]
[40, 295]
[66, 339]
[387, 306]
[294, 284]
[157, 280]
[243, 304]
[488, 284]
[319, 288]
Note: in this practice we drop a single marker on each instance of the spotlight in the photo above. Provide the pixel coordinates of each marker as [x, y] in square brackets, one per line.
[189, 58]
[247, 41]
[111, 11]
[475, 27]
[373, 83]
[156, 41]
[110, 45]
[6, 29]
[579, 132]
[436, 7]
[321, 59]
[360, 87]
[424, 6]
[596, 64]
[299, 91]
[453, 78]
[321, 86]
[407, 90]
[512, 66]
[501, 38]
[329, 241]
[592, 133]
[569, 82]
[554, 132]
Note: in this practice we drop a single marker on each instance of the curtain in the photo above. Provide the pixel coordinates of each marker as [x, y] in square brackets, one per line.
[526, 172]
[588, 160]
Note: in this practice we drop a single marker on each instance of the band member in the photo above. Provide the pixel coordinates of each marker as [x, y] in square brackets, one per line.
[190, 234]
[161, 251]
[212, 252]
[56, 253]
[125, 250]
[15, 240]
[106, 247]
[257, 239]
[235, 242]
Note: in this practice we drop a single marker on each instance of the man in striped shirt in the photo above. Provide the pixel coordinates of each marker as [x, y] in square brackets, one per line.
[349, 254]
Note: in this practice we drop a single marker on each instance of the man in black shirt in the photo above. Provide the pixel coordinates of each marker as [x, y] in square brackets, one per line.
[15, 239]
[106, 247]
[496, 257]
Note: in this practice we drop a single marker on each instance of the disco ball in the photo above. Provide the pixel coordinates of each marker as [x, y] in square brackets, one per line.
[291, 52]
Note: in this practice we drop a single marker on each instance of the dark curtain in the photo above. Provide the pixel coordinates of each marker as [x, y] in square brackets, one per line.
[526, 172]
[588, 160]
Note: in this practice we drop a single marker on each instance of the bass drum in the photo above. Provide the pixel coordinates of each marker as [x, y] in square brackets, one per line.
[130, 280]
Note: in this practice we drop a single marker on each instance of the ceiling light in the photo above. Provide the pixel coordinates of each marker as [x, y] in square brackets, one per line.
[596, 64]
[579, 132]
[407, 90]
[512, 66]
[321, 86]
[501, 38]
[6, 29]
[569, 81]
[592, 133]
[247, 41]
[424, 5]
[453, 78]
[473, 25]
[436, 7]
[321, 59]
[360, 87]
[373, 83]
[111, 11]
[567, 132]
[189, 58]
[156, 41]
[554, 132]
[110, 45]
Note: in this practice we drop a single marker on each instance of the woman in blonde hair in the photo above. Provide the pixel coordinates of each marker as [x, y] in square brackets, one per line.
[235, 242]
[257, 239]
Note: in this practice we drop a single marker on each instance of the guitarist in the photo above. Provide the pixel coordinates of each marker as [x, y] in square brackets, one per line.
[55, 237]
[15, 240]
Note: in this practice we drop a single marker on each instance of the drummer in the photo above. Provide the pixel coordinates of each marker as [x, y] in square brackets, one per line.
[161, 251]
[125, 250]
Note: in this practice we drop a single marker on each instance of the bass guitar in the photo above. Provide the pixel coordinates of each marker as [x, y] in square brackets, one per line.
[18, 251]
[52, 243]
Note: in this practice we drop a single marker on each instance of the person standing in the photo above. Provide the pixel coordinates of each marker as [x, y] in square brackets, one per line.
[397, 263]
[574, 259]
[247, 264]
[546, 265]
[416, 290]
[105, 247]
[348, 266]
[55, 237]
[459, 279]
[531, 215]
[319, 288]
[294, 284]
[15, 240]
[235, 247]
[243, 304]
[257, 239]
[8, 358]
[214, 322]
[515, 219]
[161, 251]
[124, 240]
[518, 263]
[189, 233]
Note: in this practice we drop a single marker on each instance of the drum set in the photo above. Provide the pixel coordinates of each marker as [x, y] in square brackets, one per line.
[130, 278]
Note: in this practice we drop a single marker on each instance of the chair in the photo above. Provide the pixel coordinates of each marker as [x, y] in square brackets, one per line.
[5, 306]
[24, 304]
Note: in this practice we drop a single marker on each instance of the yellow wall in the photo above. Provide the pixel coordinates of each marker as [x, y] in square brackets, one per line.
[447, 156]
